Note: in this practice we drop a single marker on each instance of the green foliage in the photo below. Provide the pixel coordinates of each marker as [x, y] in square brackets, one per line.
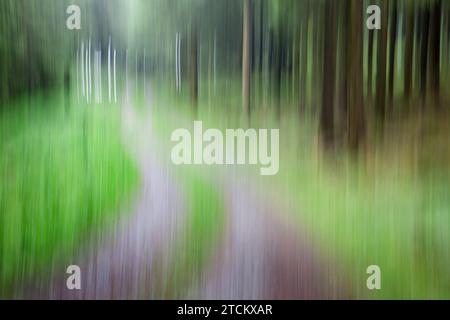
[205, 213]
[63, 175]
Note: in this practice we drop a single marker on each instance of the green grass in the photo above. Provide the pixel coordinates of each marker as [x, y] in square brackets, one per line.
[63, 175]
[202, 234]
[378, 209]
[205, 216]
[361, 214]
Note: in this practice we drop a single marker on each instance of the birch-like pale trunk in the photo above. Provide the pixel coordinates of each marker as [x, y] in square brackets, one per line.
[215, 63]
[145, 78]
[90, 71]
[136, 73]
[109, 69]
[95, 78]
[82, 69]
[115, 91]
[176, 61]
[100, 75]
[179, 62]
[126, 74]
[86, 73]
[78, 74]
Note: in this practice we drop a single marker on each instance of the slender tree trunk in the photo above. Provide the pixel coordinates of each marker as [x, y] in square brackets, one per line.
[425, 22]
[261, 46]
[329, 72]
[279, 55]
[369, 64]
[343, 80]
[409, 45]
[303, 65]
[435, 49]
[356, 117]
[210, 70]
[380, 99]
[246, 57]
[294, 61]
[261, 40]
[194, 70]
[392, 44]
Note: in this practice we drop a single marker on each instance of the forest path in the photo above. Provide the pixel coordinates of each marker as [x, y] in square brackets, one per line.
[129, 261]
[260, 255]
[264, 255]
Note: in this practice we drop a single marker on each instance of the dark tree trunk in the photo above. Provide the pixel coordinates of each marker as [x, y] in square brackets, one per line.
[380, 99]
[392, 43]
[341, 110]
[356, 117]
[425, 22]
[303, 65]
[261, 40]
[409, 45]
[246, 57]
[370, 64]
[329, 72]
[435, 49]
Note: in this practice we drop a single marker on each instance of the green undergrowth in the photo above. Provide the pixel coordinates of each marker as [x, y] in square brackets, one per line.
[64, 173]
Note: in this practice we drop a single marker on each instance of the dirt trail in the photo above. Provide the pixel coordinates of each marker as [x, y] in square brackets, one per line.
[128, 261]
[261, 256]
[264, 256]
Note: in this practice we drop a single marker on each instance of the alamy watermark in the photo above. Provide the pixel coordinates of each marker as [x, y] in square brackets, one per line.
[73, 282]
[239, 146]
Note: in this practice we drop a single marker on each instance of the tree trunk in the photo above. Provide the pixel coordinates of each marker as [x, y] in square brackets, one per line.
[356, 117]
[246, 56]
[329, 72]
[435, 49]
[369, 64]
[425, 22]
[343, 80]
[303, 64]
[380, 99]
[392, 43]
[194, 71]
[409, 45]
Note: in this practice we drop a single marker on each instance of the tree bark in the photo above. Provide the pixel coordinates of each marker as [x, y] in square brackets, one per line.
[392, 43]
[329, 72]
[303, 64]
[435, 49]
[370, 64]
[380, 99]
[356, 117]
[194, 70]
[425, 23]
[246, 57]
[409, 39]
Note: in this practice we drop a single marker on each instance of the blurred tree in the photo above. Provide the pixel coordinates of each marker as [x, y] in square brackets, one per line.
[424, 25]
[380, 99]
[392, 44]
[435, 50]
[246, 54]
[329, 71]
[355, 101]
[409, 45]
[194, 68]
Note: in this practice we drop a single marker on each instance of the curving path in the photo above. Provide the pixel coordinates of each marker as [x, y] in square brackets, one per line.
[261, 255]
[128, 262]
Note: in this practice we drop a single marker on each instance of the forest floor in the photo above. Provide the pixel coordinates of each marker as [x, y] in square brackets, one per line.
[121, 263]
[263, 256]
[257, 254]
